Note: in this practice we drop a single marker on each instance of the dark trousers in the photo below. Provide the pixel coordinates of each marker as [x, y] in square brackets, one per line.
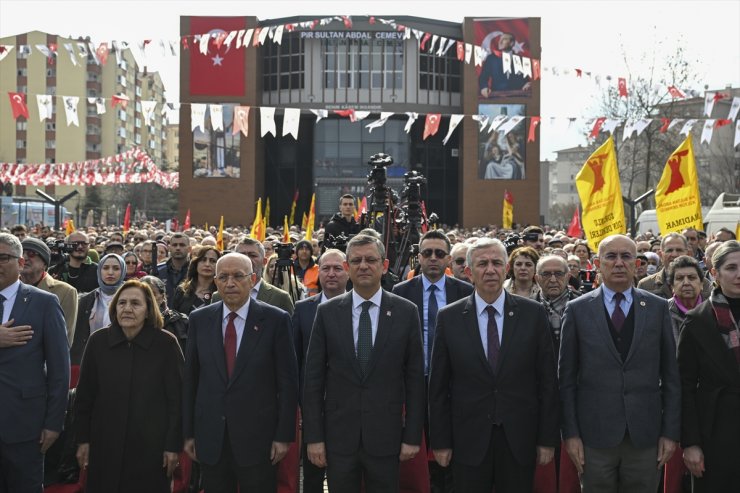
[21, 467]
[313, 477]
[499, 469]
[624, 469]
[226, 475]
[347, 473]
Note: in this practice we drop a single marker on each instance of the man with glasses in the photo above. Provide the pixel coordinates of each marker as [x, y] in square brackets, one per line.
[620, 389]
[672, 246]
[37, 256]
[363, 399]
[458, 252]
[77, 269]
[240, 392]
[430, 292]
[173, 271]
[552, 274]
[262, 290]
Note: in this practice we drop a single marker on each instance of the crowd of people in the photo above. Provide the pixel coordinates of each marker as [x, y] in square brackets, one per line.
[497, 354]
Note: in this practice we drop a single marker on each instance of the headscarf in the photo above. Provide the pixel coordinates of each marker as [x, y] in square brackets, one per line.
[111, 289]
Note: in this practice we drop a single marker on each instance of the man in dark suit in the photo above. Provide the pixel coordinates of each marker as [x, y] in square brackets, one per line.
[431, 291]
[492, 387]
[240, 386]
[365, 363]
[34, 373]
[619, 382]
[333, 279]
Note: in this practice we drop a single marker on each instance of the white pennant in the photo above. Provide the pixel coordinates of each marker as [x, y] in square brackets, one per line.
[480, 55]
[468, 52]
[278, 36]
[100, 106]
[442, 45]
[706, 133]
[72, 55]
[737, 134]
[248, 38]
[147, 109]
[198, 116]
[687, 126]
[527, 66]
[734, 108]
[708, 103]
[6, 51]
[320, 114]
[239, 37]
[203, 44]
[496, 122]
[675, 122]
[517, 64]
[510, 124]
[629, 129]
[641, 125]
[45, 108]
[217, 117]
[482, 122]
[267, 121]
[454, 121]
[610, 125]
[361, 115]
[290, 122]
[174, 46]
[229, 38]
[44, 50]
[506, 61]
[263, 36]
[407, 34]
[379, 123]
[434, 42]
[412, 118]
[450, 44]
[70, 109]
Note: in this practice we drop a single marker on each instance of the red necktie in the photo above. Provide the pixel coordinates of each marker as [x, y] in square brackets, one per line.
[230, 344]
[494, 346]
[618, 315]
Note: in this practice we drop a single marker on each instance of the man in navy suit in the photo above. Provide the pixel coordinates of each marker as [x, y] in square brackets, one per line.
[333, 280]
[430, 292]
[241, 385]
[34, 374]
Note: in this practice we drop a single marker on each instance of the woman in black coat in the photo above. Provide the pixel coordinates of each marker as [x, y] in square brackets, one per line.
[198, 287]
[709, 362]
[128, 419]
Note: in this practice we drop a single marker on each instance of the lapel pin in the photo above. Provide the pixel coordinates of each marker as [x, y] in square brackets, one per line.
[642, 303]
[388, 313]
[511, 314]
[256, 328]
[25, 300]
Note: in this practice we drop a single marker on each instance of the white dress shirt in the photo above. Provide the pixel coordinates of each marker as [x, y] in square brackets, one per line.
[374, 312]
[480, 311]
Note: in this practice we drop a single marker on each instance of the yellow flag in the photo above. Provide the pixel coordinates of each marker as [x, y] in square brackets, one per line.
[601, 195]
[677, 200]
[267, 212]
[257, 223]
[263, 229]
[286, 230]
[310, 223]
[304, 221]
[508, 219]
[70, 227]
[220, 236]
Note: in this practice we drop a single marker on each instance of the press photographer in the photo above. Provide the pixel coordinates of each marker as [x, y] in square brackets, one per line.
[73, 266]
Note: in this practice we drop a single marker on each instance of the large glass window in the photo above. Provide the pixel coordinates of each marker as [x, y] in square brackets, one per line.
[440, 73]
[283, 65]
[363, 63]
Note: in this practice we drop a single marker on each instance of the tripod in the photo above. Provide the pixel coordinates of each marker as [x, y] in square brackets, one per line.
[284, 277]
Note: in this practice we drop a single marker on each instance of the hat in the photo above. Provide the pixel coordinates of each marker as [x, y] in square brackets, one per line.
[557, 239]
[112, 244]
[39, 247]
[303, 243]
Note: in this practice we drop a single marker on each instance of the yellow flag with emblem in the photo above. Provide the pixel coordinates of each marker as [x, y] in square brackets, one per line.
[600, 192]
[677, 200]
[220, 236]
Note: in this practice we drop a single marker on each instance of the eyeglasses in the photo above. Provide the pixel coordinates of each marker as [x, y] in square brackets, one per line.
[5, 258]
[459, 261]
[612, 257]
[131, 262]
[437, 253]
[547, 275]
[238, 277]
[368, 260]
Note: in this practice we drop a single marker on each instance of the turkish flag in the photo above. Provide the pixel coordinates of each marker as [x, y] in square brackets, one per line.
[221, 71]
[348, 113]
[673, 91]
[597, 127]
[241, 120]
[574, 229]
[622, 83]
[102, 53]
[460, 51]
[532, 126]
[186, 225]
[664, 124]
[431, 125]
[121, 99]
[18, 104]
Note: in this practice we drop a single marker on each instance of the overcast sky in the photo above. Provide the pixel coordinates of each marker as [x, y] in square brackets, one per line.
[594, 35]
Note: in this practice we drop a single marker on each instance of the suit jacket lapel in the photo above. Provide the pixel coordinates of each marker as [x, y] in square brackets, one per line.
[417, 297]
[598, 313]
[470, 324]
[385, 324]
[510, 322]
[22, 300]
[250, 337]
[216, 338]
[346, 331]
[639, 308]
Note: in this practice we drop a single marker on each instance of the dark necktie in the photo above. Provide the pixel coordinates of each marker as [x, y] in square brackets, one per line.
[2, 307]
[364, 336]
[230, 344]
[431, 322]
[618, 315]
[494, 346]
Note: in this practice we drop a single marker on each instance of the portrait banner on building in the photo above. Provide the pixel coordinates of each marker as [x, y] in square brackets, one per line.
[600, 192]
[501, 153]
[216, 152]
[677, 199]
[506, 43]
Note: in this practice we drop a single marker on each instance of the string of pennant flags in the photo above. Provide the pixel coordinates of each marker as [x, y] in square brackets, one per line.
[291, 118]
[428, 42]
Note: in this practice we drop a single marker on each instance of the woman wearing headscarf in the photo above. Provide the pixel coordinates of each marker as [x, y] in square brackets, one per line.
[92, 307]
[133, 266]
[128, 409]
[709, 363]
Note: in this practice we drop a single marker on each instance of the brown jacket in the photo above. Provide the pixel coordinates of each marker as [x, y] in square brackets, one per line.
[67, 296]
[656, 284]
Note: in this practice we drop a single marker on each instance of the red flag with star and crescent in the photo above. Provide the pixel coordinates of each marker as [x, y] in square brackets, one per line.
[574, 228]
[18, 104]
[431, 125]
[220, 72]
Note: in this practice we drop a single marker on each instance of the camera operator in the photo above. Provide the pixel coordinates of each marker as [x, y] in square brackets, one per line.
[305, 267]
[343, 222]
[76, 269]
[534, 237]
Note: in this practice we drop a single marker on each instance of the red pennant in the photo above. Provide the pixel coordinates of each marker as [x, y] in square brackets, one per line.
[597, 127]
[290, 27]
[424, 40]
[622, 83]
[186, 225]
[664, 122]
[718, 96]
[722, 123]
[460, 51]
[127, 219]
[674, 92]
[574, 229]
[431, 125]
[579, 72]
[116, 100]
[102, 53]
[2, 49]
[185, 43]
[175, 224]
[535, 69]
[146, 42]
[348, 113]
[219, 41]
[18, 104]
[256, 39]
[532, 127]
[347, 21]
[509, 197]
[372, 20]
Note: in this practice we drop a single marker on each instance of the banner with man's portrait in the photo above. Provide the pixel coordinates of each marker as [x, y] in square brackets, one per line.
[501, 145]
[216, 152]
[505, 43]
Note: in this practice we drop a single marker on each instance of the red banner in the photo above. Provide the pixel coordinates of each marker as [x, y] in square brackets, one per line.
[221, 71]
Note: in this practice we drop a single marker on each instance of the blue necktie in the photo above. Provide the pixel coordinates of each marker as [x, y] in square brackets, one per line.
[431, 323]
[364, 337]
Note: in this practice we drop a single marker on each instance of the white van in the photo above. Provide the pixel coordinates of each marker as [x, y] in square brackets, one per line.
[647, 221]
[725, 213]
